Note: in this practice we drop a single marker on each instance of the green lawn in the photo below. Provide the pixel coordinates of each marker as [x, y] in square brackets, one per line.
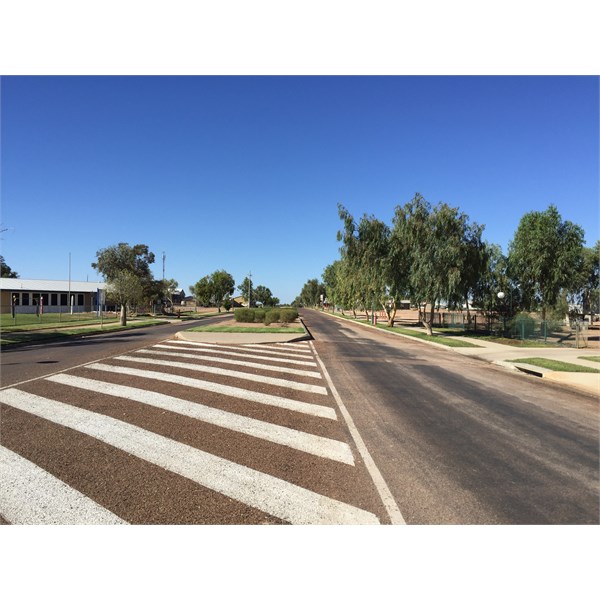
[592, 358]
[39, 336]
[436, 339]
[555, 365]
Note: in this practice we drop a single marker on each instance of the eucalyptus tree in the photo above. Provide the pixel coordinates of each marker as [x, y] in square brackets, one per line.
[442, 251]
[586, 291]
[223, 286]
[214, 289]
[202, 291]
[545, 257]
[365, 251]
[127, 271]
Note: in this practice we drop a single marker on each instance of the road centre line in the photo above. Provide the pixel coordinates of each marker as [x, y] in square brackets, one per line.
[315, 410]
[230, 361]
[292, 385]
[215, 350]
[388, 500]
[29, 495]
[298, 440]
[269, 494]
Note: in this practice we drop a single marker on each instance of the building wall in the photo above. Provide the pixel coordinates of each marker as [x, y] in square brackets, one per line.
[26, 302]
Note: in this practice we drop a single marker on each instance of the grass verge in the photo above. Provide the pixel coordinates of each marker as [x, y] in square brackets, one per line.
[592, 358]
[436, 339]
[16, 338]
[555, 365]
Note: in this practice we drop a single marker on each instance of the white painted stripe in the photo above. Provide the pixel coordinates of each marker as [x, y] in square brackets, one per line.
[31, 496]
[382, 489]
[264, 492]
[292, 385]
[229, 361]
[279, 347]
[315, 410]
[243, 350]
[299, 440]
[215, 350]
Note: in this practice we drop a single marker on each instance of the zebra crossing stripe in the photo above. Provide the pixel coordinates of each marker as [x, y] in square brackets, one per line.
[264, 492]
[315, 410]
[230, 361]
[299, 440]
[293, 385]
[31, 496]
[279, 347]
[215, 350]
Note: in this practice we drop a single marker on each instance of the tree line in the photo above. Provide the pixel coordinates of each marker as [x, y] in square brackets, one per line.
[126, 269]
[431, 255]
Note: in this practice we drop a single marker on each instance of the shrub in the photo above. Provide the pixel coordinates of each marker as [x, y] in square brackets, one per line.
[288, 315]
[259, 315]
[272, 316]
[244, 315]
[523, 325]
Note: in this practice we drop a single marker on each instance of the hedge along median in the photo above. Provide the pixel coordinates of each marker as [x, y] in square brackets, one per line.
[266, 315]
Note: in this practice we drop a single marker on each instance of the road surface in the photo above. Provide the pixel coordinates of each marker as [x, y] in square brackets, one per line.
[459, 440]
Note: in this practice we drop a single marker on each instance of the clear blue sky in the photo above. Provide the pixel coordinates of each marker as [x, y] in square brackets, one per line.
[245, 173]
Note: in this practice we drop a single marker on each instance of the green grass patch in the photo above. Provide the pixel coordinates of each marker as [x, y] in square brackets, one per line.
[24, 337]
[555, 365]
[592, 358]
[234, 329]
[436, 339]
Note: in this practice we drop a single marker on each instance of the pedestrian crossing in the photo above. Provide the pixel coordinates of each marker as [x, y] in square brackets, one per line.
[182, 432]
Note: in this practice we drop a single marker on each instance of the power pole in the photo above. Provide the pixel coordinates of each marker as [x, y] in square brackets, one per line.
[249, 288]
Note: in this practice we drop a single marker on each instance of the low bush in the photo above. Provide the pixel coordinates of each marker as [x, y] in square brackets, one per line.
[244, 315]
[288, 315]
[272, 316]
[259, 315]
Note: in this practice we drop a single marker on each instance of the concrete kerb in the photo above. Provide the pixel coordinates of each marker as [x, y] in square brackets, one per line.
[588, 382]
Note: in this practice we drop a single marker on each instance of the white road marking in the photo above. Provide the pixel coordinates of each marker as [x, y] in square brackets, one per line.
[230, 361]
[264, 492]
[216, 350]
[315, 410]
[244, 349]
[299, 440]
[292, 385]
[384, 492]
[31, 496]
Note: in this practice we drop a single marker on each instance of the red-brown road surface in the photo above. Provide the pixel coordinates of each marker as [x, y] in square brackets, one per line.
[181, 433]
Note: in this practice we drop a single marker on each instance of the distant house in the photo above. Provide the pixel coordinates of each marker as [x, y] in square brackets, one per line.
[26, 295]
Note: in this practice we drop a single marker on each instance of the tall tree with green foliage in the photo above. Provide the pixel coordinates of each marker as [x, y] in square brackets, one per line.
[6, 271]
[223, 286]
[545, 257]
[365, 248]
[127, 271]
[439, 244]
[586, 291]
[246, 289]
[214, 289]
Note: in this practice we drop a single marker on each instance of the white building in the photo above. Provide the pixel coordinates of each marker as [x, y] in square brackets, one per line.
[29, 295]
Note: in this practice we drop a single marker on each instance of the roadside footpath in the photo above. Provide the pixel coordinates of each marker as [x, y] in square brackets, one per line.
[501, 354]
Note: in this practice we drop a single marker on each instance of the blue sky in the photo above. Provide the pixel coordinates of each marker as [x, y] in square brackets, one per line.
[245, 173]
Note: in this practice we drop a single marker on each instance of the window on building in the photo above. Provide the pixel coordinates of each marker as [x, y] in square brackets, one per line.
[16, 299]
[64, 301]
[79, 299]
[54, 299]
[45, 299]
[25, 297]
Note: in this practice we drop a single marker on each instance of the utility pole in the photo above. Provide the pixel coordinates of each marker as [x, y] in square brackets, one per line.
[249, 288]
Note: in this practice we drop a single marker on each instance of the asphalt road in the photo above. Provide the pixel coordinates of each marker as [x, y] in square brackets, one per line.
[37, 360]
[460, 441]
